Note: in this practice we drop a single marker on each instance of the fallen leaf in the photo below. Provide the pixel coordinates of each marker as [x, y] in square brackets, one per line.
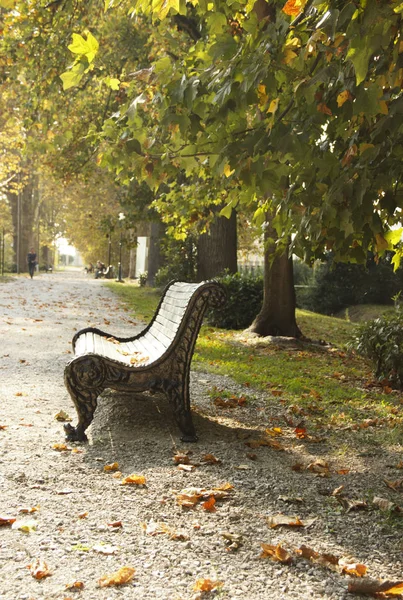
[397, 485]
[112, 467]
[337, 490]
[182, 459]
[39, 569]
[115, 524]
[373, 587]
[3, 427]
[83, 515]
[62, 416]
[277, 553]
[350, 505]
[4, 520]
[210, 459]
[319, 467]
[134, 479]
[291, 499]
[386, 505]
[233, 541]
[280, 519]
[25, 510]
[120, 577]
[76, 585]
[59, 447]
[187, 468]
[356, 569]
[153, 528]
[209, 505]
[25, 526]
[274, 431]
[206, 585]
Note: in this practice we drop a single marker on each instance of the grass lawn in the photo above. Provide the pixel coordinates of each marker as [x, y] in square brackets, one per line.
[328, 386]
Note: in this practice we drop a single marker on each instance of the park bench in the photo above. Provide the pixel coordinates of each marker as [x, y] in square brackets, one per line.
[156, 360]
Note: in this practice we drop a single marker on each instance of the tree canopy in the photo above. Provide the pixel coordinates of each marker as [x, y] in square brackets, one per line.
[293, 108]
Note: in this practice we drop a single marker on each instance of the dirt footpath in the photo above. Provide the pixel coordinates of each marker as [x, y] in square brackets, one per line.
[71, 523]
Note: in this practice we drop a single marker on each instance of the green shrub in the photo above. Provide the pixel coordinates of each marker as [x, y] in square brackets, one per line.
[381, 340]
[336, 286]
[244, 301]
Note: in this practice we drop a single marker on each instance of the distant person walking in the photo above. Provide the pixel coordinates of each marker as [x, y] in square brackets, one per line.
[31, 258]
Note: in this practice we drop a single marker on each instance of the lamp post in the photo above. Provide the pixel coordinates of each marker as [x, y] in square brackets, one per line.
[109, 249]
[121, 219]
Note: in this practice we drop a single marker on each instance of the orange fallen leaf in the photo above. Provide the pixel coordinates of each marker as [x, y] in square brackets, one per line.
[356, 569]
[2, 427]
[115, 524]
[39, 569]
[182, 459]
[76, 585]
[83, 515]
[206, 585]
[276, 553]
[60, 447]
[134, 479]
[120, 577]
[25, 510]
[112, 467]
[4, 520]
[209, 505]
[210, 459]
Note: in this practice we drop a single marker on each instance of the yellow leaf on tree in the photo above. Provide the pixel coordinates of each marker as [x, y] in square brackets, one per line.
[262, 94]
[289, 56]
[343, 97]
[123, 575]
[228, 171]
[134, 479]
[381, 243]
[273, 106]
[293, 7]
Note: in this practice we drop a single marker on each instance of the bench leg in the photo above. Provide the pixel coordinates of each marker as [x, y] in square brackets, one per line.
[81, 378]
[178, 395]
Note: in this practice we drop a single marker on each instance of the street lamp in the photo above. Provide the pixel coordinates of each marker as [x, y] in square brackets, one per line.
[121, 219]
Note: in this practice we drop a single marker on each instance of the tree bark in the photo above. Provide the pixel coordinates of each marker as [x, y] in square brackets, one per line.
[23, 209]
[154, 252]
[217, 249]
[277, 315]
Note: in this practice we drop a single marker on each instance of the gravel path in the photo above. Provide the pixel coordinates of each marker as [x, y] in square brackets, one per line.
[85, 524]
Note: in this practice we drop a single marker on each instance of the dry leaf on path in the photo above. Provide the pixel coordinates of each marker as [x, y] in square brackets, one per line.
[396, 486]
[111, 467]
[233, 541]
[62, 416]
[350, 505]
[39, 569]
[373, 587]
[210, 459]
[60, 447]
[206, 585]
[386, 505]
[4, 520]
[277, 553]
[153, 528]
[76, 585]
[182, 459]
[209, 505]
[120, 577]
[280, 519]
[134, 479]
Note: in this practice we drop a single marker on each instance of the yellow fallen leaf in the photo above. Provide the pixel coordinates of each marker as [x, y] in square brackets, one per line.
[134, 479]
[76, 585]
[206, 585]
[120, 577]
[60, 447]
[112, 467]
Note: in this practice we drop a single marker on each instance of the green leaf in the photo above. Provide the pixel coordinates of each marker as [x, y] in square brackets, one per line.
[72, 77]
[7, 3]
[112, 83]
[216, 22]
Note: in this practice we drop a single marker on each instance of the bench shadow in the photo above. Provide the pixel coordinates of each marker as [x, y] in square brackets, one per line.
[139, 431]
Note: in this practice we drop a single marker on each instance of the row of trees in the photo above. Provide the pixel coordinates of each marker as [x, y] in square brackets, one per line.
[287, 113]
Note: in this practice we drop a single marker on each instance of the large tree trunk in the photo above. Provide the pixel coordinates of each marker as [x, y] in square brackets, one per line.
[23, 210]
[277, 316]
[217, 249]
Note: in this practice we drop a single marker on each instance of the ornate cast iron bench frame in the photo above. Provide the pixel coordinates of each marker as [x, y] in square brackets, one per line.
[157, 359]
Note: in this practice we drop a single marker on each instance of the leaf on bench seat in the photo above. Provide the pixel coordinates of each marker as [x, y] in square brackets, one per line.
[113, 340]
[137, 360]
